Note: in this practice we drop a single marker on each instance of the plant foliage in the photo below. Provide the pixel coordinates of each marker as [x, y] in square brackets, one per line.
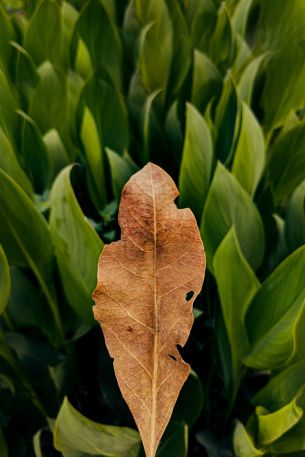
[214, 93]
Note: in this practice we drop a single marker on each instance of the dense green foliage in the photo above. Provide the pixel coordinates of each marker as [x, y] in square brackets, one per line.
[214, 92]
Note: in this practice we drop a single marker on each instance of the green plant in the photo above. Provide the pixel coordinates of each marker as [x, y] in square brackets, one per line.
[214, 93]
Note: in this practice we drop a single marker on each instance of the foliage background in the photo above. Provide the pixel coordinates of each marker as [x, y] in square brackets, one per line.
[214, 93]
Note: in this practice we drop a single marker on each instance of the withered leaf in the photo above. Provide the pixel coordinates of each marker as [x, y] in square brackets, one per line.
[147, 283]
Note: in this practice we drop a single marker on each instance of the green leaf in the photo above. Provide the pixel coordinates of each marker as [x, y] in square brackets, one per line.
[95, 159]
[249, 158]
[10, 164]
[47, 23]
[276, 309]
[282, 31]
[272, 426]
[7, 34]
[103, 42]
[196, 165]
[243, 443]
[27, 306]
[226, 120]
[182, 51]
[26, 71]
[26, 238]
[57, 153]
[34, 153]
[5, 281]
[240, 16]
[83, 64]
[228, 204]
[236, 287]
[122, 168]
[175, 443]
[156, 45]
[206, 83]
[222, 46]
[286, 165]
[48, 106]
[295, 218]
[246, 84]
[190, 401]
[8, 106]
[69, 17]
[282, 387]
[73, 432]
[77, 246]
[110, 113]
[202, 17]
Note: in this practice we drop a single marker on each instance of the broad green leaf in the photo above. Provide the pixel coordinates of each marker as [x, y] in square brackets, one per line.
[26, 71]
[182, 51]
[37, 445]
[69, 17]
[295, 218]
[95, 159]
[249, 158]
[5, 281]
[196, 165]
[26, 238]
[226, 120]
[121, 167]
[77, 246]
[202, 17]
[173, 132]
[8, 98]
[48, 107]
[110, 113]
[103, 42]
[190, 401]
[148, 123]
[156, 44]
[58, 156]
[206, 82]
[246, 84]
[222, 46]
[286, 165]
[243, 443]
[228, 204]
[34, 153]
[282, 30]
[175, 443]
[83, 64]
[10, 164]
[73, 432]
[8, 105]
[293, 440]
[10, 364]
[43, 38]
[272, 425]
[243, 55]
[236, 287]
[27, 306]
[7, 34]
[69, 133]
[282, 388]
[276, 309]
[240, 16]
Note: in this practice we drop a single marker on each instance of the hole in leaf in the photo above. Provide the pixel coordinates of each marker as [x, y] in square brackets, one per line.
[189, 295]
[172, 357]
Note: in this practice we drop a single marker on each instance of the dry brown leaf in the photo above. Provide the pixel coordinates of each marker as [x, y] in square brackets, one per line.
[147, 283]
